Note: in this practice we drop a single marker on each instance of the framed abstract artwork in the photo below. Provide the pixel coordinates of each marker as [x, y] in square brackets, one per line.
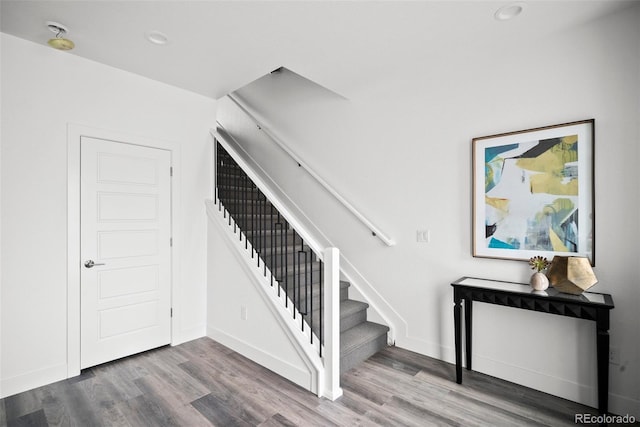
[533, 193]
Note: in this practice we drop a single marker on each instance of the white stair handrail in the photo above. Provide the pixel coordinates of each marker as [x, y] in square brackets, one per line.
[372, 227]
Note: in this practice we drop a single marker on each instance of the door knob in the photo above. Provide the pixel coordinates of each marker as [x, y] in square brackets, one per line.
[90, 263]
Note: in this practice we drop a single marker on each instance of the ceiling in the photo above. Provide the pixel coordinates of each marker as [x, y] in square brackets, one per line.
[216, 47]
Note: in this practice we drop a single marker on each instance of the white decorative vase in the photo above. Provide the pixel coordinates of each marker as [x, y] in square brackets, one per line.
[539, 281]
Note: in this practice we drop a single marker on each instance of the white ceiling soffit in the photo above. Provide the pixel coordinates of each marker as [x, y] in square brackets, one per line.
[216, 47]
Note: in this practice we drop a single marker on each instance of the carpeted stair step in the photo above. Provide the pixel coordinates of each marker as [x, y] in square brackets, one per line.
[309, 269]
[288, 258]
[352, 313]
[278, 249]
[232, 193]
[344, 290]
[289, 236]
[361, 342]
[249, 207]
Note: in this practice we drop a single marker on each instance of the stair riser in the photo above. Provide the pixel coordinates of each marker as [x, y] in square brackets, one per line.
[362, 353]
[344, 294]
[352, 320]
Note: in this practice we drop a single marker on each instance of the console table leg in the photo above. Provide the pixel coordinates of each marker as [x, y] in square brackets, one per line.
[457, 324]
[467, 330]
[603, 368]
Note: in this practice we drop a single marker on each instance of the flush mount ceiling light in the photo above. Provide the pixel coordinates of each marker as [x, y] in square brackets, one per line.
[157, 37]
[59, 42]
[509, 11]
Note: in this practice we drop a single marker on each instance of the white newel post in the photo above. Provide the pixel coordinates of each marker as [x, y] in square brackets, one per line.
[332, 323]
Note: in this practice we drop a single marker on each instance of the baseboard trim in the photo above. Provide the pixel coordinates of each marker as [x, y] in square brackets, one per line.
[33, 379]
[190, 334]
[261, 357]
[561, 387]
[567, 389]
[623, 405]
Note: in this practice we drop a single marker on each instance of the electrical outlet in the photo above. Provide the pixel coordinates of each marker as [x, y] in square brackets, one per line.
[614, 356]
[423, 236]
[243, 312]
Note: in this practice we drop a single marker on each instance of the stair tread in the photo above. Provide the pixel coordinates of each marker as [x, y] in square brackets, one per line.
[349, 307]
[355, 337]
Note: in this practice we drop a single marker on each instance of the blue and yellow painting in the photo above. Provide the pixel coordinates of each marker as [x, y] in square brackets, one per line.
[531, 195]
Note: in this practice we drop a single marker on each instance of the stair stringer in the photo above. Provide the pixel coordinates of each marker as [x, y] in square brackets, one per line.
[300, 340]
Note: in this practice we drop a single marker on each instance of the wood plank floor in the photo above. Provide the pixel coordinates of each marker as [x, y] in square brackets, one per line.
[203, 383]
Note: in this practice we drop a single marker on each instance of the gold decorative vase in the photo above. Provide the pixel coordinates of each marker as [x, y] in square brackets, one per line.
[571, 275]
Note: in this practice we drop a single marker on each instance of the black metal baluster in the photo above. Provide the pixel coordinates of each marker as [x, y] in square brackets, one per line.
[272, 248]
[304, 312]
[320, 306]
[223, 180]
[253, 226]
[235, 200]
[259, 225]
[225, 190]
[295, 276]
[311, 298]
[245, 211]
[264, 235]
[219, 173]
[280, 253]
[299, 296]
[229, 185]
[215, 174]
[237, 177]
[238, 196]
[240, 202]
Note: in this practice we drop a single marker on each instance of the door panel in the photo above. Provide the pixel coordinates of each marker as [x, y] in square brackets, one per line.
[127, 281]
[127, 207]
[127, 243]
[125, 221]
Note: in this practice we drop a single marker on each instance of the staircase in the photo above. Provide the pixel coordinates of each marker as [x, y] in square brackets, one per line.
[359, 338]
[292, 265]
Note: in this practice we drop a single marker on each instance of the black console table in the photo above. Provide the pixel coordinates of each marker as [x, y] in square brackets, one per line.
[589, 306]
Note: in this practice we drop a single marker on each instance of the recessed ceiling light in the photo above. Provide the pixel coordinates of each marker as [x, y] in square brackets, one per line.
[156, 37]
[509, 11]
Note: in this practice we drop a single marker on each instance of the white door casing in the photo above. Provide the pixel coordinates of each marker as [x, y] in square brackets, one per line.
[125, 217]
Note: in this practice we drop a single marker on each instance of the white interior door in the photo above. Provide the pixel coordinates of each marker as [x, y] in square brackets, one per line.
[125, 232]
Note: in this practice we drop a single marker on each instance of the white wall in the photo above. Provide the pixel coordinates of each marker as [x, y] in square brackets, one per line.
[232, 291]
[401, 151]
[42, 91]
